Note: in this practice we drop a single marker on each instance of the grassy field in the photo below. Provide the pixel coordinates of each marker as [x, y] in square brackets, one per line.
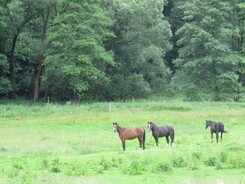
[52, 143]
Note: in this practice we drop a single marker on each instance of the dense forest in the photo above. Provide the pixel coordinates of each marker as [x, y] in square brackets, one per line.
[82, 50]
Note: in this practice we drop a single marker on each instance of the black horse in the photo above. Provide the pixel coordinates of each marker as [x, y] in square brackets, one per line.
[215, 127]
[161, 131]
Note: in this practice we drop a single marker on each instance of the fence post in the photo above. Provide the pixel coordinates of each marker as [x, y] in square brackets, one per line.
[110, 106]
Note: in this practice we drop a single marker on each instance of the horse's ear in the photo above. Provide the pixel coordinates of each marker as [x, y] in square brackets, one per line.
[113, 123]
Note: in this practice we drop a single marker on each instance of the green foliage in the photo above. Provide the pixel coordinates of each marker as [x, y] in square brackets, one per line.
[126, 87]
[108, 50]
[179, 162]
[83, 58]
[142, 40]
[206, 52]
[164, 166]
[211, 161]
[5, 86]
[135, 167]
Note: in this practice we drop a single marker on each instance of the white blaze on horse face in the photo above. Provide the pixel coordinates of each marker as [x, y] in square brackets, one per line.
[115, 128]
[149, 127]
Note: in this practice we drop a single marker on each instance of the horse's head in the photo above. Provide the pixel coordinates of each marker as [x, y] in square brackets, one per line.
[150, 125]
[115, 126]
[208, 123]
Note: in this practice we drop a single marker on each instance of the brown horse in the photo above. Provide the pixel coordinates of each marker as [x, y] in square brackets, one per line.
[129, 134]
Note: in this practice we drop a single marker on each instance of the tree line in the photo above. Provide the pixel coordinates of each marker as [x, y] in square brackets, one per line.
[121, 49]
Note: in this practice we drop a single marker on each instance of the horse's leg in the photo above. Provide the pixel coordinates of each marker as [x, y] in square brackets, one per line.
[221, 136]
[140, 142]
[156, 139]
[217, 137]
[211, 137]
[172, 140]
[167, 139]
[123, 144]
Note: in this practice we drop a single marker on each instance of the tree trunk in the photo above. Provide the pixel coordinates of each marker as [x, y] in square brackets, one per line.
[37, 80]
[96, 96]
[41, 60]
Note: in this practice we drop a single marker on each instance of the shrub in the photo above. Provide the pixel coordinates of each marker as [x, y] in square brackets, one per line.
[211, 161]
[55, 166]
[179, 162]
[197, 155]
[164, 167]
[223, 157]
[193, 166]
[134, 168]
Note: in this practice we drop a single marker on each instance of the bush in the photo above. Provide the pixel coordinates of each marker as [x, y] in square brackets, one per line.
[134, 168]
[164, 167]
[179, 162]
[211, 161]
[55, 166]
[197, 155]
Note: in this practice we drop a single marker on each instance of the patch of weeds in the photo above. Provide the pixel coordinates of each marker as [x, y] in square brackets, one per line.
[134, 168]
[211, 161]
[99, 169]
[101, 165]
[45, 164]
[236, 162]
[55, 166]
[26, 176]
[197, 155]
[193, 165]
[14, 172]
[223, 157]
[104, 163]
[2, 149]
[75, 170]
[116, 162]
[17, 167]
[179, 162]
[219, 165]
[164, 167]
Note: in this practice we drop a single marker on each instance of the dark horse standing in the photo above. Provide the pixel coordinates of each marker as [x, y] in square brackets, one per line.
[215, 128]
[161, 131]
[129, 134]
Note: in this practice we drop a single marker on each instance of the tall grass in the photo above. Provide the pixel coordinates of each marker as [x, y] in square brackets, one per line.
[50, 143]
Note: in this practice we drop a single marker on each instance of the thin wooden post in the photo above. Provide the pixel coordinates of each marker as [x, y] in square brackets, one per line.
[109, 106]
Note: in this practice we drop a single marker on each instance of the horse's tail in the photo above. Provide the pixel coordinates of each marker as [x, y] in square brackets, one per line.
[224, 131]
[173, 135]
[144, 139]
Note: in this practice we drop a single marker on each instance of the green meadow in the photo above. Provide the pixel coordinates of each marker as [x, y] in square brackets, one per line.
[69, 143]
